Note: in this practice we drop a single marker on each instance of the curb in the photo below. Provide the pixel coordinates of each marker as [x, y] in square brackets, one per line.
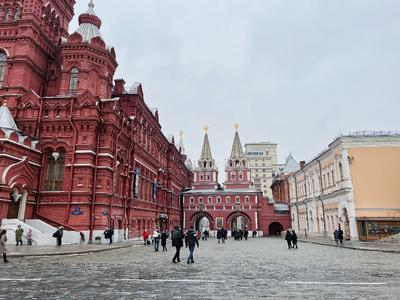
[17, 255]
[351, 247]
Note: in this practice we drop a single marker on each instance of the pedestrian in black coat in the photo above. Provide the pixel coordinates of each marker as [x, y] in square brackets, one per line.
[177, 242]
[164, 237]
[191, 241]
[288, 239]
[340, 235]
[294, 239]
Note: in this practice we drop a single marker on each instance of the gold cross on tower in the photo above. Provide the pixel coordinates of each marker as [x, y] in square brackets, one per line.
[236, 125]
[206, 129]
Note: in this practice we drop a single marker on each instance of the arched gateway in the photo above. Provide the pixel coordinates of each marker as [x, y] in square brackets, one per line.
[202, 221]
[275, 228]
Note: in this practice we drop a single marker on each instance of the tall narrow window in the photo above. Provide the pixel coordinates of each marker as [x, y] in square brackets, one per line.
[17, 14]
[55, 171]
[73, 81]
[3, 60]
[7, 14]
[341, 171]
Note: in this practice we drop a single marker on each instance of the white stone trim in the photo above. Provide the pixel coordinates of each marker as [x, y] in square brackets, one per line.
[19, 159]
[106, 155]
[22, 145]
[146, 165]
[85, 152]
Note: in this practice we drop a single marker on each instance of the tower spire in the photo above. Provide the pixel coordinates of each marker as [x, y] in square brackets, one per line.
[206, 151]
[237, 150]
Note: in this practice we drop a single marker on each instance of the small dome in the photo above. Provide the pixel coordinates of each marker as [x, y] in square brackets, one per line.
[89, 24]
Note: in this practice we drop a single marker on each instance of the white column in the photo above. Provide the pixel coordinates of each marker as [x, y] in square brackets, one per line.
[22, 206]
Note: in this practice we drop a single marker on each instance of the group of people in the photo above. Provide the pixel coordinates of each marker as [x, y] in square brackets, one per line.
[240, 234]
[291, 239]
[191, 238]
[222, 235]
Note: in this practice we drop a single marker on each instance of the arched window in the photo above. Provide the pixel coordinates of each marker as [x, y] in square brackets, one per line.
[17, 13]
[191, 200]
[237, 199]
[7, 14]
[55, 171]
[247, 199]
[3, 62]
[73, 81]
[341, 171]
[205, 164]
[228, 199]
[209, 200]
[200, 200]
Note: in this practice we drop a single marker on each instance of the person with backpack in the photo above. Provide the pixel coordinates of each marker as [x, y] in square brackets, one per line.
[3, 245]
[58, 235]
[177, 242]
[18, 235]
[191, 241]
[156, 239]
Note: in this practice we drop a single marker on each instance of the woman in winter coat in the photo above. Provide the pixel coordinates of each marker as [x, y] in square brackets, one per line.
[3, 244]
[164, 237]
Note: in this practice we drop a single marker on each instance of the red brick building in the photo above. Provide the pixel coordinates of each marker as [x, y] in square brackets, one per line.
[237, 204]
[75, 149]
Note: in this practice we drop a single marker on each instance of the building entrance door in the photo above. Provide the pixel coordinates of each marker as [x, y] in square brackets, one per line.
[13, 207]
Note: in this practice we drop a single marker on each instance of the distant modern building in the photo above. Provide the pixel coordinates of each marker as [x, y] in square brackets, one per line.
[353, 183]
[263, 162]
[236, 204]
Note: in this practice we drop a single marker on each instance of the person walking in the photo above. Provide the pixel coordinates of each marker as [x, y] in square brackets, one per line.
[288, 239]
[335, 236]
[3, 244]
[191, 241]
[340, 235]
[294, 239]
[219, 235]
[58, 235]
[177, 242]
[146, 237]
[164, 237]
[156, 238]
[224, 234]
[29, 237]
[18, 235]
[246, 233]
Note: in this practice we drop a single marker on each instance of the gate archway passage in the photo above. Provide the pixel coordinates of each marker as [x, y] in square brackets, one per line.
[275, 228]
[239, 220]
[202, 221]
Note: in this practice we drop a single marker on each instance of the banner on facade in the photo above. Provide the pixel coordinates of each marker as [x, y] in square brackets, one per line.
[136, 183]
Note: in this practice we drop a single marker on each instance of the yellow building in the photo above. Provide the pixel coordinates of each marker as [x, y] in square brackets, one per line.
[355, 182]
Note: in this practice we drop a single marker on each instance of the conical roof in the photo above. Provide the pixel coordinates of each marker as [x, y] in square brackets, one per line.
[89, 24]
[206, 151]
[237, 150]
[6, 119]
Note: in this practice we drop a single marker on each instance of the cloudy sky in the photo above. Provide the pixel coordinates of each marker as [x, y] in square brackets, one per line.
[296, 73]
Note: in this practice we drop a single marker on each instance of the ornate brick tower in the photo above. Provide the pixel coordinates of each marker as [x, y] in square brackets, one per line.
[206, 173]
[31, 31]
[84, 61]
[237, 173]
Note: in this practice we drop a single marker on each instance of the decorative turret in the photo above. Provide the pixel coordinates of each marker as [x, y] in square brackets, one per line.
[87, 63]
[181, 146]
[89, 24]
[236, 172]
[206, 173]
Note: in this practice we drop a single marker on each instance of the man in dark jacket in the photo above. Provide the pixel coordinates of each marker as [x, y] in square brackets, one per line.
[177, 242]
[191, 241]
[288, 239]
[294, 239]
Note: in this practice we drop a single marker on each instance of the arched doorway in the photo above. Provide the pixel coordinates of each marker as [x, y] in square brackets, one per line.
[346, 226]
[275, 228]
[13, 206]
[239, 222]
[202, 223]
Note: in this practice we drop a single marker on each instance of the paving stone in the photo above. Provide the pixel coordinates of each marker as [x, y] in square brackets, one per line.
[253, 269]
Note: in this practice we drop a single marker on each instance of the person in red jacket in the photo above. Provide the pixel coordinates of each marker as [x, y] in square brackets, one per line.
[145, 236]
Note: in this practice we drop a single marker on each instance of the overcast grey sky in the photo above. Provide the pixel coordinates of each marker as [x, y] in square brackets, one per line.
[296, 73]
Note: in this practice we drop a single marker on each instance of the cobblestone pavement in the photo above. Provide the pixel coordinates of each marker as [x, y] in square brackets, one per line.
[257, 268]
